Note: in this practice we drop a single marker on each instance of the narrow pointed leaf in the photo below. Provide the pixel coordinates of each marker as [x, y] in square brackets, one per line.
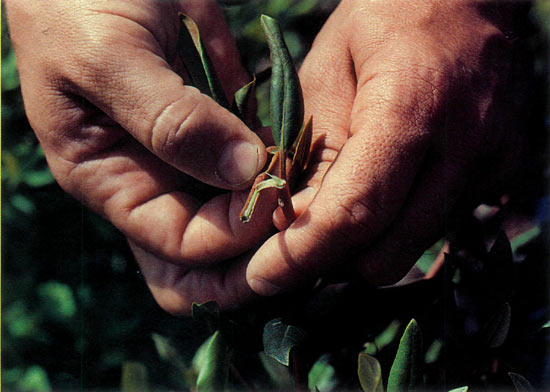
[196, 61]
[134, 377]
[495, 331]
[302, 146]
[460, 389]
[406, 370]
[370, 373]
[287, 105]
[520, 383]
[214, 370]
[280, 338]
[241, 98]
[271, 182]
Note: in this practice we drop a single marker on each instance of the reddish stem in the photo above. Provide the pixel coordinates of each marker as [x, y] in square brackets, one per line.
[285, 200]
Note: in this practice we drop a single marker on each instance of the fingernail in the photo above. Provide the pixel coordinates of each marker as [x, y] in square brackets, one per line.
[263, 287]
[238, 162]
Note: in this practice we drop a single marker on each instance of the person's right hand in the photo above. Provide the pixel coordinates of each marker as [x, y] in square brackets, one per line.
[104, 91]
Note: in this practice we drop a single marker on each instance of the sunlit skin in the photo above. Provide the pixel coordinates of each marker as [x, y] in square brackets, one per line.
[407, 101]
[103, 90]
[413, 108]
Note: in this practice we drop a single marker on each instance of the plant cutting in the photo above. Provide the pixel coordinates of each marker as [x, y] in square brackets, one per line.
[292, 137]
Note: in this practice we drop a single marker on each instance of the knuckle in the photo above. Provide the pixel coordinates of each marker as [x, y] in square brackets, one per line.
[173, 129]
[354, 218]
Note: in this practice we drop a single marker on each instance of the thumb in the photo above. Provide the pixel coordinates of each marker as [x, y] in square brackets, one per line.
[188, 130]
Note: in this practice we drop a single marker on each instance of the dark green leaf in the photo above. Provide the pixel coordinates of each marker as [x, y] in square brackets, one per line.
[370, 374]
[406, 370]
[134, 377]
[215, 362]
[496, 329]
[196, 61]
[499, 268]
[501, 251]
[280, 338]
[287, 106]
[240, 100]
[520, 383]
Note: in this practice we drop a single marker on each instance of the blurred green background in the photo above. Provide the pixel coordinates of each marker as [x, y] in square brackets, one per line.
[74, 305]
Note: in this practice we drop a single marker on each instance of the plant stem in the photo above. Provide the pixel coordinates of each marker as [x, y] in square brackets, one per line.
[300, 384]
[285, 200]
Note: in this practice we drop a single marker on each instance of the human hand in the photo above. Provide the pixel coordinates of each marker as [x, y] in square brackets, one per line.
[412, 121]
[103, 90]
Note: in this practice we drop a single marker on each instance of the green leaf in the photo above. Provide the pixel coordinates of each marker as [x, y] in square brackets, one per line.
[280, 338]
[166, 351]
[520, 383]
[433, 352]
[23, 204]
[200, 355]
[35, 379]
[287, 104]
[10, 76]
[57, 300]
[384, 338]
[406, 370]
[545, 325]
[370, 374]
[460, 389]
[241, 98]
[38, 178]
[214, 369]
[501, 251]
[196, 61]
[496, 329]
[134, 377]
[271, 182]
[525, 238]
[499, 268]
[322, 375]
